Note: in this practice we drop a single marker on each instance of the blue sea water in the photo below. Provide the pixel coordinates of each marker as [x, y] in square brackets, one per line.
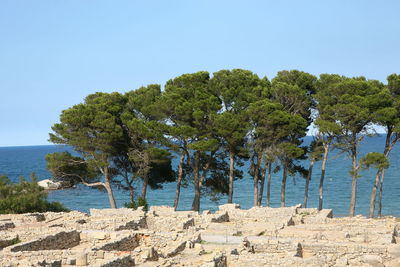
[22, 161]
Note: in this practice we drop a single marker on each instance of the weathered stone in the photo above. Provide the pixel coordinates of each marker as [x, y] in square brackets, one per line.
[229, 206]
[220, 217]
[394, 251]
[81, 259]
[372, 260]
[260, 236]
[6, 225]
[71, 261]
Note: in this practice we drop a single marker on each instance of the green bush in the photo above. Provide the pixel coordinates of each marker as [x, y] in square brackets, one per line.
[25, 197]
[130, 205]
[141, 202]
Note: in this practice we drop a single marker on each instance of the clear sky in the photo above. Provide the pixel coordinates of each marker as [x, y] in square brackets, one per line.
[54, 53]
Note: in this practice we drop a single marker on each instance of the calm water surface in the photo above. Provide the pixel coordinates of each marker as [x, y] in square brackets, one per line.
[22, 161]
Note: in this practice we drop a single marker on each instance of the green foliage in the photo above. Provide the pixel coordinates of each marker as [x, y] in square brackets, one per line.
[235, 114]
[293, 90]
[141, 202]
[146, 134]
[130, 205]
[374, 160]
[93, 127]
[316, 149]
[25, 197]
[65, 167]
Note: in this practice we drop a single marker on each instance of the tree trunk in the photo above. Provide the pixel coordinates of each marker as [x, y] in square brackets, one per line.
[262, 182]
[131, 193]
[378, 180]
[179, 181]
[144, 187]
[310, 168]
[354, 171]
[231, 176]
[269, 184]
[196, 178]
[373, 194]
[283, 185]
[255, 182]
[380, 194]
[109, 190]
[321, 181]
[130, 187]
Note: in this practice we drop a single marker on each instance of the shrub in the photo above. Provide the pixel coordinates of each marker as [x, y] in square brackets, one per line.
[141, 202]
[25, 197]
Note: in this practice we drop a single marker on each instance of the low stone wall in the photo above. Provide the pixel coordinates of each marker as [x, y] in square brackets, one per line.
[8, 241]
[61, 240]
[5, 225]
[276, 246]
[125, 261]
[342, 248]
[128, 243]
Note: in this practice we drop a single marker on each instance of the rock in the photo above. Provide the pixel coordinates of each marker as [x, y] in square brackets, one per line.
[220, 217]
[6, 225]
[229, 206]
[198, 246]
[51, 185]
[71, 261]
[81, 259]
[393, 263]
[394, 251]
[206, 212]
[98, 235]
[373, 260]
[234, 252]
[343, 261]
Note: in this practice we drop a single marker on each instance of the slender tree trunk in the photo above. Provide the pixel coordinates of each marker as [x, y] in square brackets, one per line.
[269, 184]
[130, 187]
[131, 193]
[197, 193]
[107, 185]
[199, 185]
[380, 194]
[321, 180]
[231, 176]
[373, 194]
[179, 181]
[354, 173]
[310, 168]
[262, 182]
[283, 185]
[144, 187]
[378, 179]
[255, 181]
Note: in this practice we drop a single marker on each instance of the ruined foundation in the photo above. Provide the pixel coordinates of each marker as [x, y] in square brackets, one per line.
[260, 236]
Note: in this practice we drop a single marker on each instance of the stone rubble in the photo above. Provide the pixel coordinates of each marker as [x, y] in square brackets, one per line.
[259, 236]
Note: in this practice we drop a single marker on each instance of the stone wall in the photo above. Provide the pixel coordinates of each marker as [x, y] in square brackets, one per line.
[125, 261]
[128, 243]
[61, 240]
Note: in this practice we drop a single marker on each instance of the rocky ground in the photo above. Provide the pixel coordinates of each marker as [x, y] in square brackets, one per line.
[290, 236]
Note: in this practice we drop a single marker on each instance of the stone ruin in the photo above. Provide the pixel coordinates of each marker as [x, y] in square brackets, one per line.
[259, 236]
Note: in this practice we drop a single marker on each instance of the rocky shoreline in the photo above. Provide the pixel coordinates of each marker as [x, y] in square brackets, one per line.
[260, 236]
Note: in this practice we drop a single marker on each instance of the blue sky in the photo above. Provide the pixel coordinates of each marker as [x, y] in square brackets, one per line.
[54, 53]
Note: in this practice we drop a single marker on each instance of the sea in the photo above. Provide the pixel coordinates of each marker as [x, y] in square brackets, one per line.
[24, 160]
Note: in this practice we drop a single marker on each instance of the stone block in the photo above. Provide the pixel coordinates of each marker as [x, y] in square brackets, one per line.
[220, 217]
[231, 206]
[71, 261]
[373, 260]
[394, 250]
[82, 259]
